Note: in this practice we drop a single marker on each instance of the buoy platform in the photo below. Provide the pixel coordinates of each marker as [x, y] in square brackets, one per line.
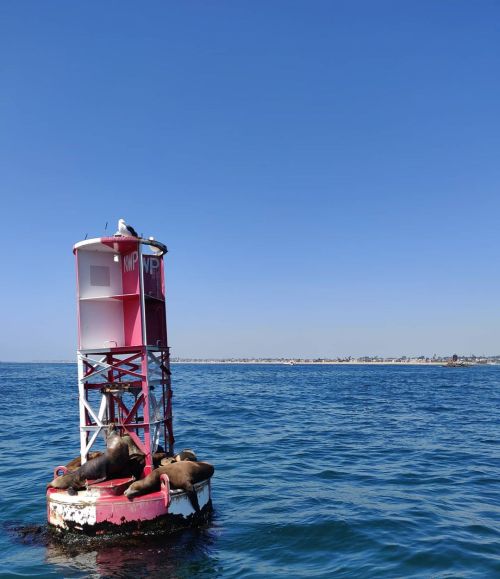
[102, 509]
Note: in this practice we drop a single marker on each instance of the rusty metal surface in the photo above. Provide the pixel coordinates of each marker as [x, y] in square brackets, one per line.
[92, 513]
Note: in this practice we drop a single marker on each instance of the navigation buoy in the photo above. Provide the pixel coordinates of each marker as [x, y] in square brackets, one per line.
[125, 397]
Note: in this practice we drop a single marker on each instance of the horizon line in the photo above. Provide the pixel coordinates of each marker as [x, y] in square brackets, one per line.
[341, 359]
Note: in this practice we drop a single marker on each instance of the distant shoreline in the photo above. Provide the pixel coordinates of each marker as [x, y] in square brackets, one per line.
[282, 363]
[333, 363]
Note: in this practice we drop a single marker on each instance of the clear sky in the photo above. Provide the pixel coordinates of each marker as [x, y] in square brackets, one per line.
[326, 174]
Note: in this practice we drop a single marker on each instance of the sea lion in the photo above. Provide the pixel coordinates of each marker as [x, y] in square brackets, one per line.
[136, 459]
[158, 457]
[182, 475]
[77, 461]
[186, 454]
[114, 462]
[132, 446]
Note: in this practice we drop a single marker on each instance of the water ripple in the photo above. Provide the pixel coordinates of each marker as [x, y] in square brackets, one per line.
[320, 472]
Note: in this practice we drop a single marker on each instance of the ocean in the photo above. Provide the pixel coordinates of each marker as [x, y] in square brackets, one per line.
[321, 471]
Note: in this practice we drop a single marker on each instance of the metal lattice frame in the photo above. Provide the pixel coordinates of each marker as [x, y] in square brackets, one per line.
[131, 388]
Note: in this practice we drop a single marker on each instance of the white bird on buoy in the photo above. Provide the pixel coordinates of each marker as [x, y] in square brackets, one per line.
[155, 249]
[125, 230]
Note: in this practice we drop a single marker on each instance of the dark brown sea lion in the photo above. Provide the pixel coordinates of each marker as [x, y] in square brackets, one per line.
[114, 462]
[182, 475]
[136, 459]
[132, 446]
[77, 461]
[158, 457]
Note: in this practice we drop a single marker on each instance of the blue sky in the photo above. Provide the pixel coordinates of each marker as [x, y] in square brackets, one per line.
[325, 174]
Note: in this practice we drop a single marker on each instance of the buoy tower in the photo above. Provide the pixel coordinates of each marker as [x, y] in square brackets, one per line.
[123, 356]
[123, 380]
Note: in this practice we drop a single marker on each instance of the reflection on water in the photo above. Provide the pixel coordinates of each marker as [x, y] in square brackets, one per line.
[180, 555]
[183, 554]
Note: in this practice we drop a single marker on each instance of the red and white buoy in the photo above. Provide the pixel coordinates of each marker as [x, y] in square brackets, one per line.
[123, 379]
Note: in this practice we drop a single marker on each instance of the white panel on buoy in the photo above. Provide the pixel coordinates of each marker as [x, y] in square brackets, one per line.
[101, 323]
[180, 503]
[64, 508]
[98, 275]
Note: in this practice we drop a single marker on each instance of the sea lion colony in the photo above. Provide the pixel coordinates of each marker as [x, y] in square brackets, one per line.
[122, 458]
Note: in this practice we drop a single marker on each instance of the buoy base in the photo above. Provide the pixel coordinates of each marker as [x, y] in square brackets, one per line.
[95, 511]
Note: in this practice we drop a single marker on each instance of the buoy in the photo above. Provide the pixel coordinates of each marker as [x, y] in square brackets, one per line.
[124, 383]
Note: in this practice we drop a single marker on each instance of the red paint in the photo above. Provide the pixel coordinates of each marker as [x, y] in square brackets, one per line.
[111, 488]
[59, 471]
[120, 244]
[132, 321]
[165, 489]
[119, 509]
[156, 323]
[130, 277]
[153, 277]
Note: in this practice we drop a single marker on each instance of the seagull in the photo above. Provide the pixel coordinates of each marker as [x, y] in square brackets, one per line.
[125, 230]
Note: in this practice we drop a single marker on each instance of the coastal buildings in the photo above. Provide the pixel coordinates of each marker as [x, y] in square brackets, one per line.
[413, 360]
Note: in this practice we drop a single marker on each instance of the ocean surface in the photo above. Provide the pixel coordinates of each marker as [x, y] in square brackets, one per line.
[321, 471]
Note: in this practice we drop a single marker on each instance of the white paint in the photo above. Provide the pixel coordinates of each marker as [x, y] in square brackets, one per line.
[151, 265]
[101, 324]
[98, 259]
[96, 244]
[64, 508]
[101, 318]
[180, 503]
[130, 260]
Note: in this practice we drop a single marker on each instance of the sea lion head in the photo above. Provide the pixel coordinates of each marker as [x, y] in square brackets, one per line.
[133, 490]
[113, 438]
[186, 454]
[62, 482]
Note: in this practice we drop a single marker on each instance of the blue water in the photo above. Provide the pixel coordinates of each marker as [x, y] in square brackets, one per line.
[321, 471]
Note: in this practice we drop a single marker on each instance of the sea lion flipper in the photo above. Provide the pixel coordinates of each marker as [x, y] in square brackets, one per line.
[193, 497]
